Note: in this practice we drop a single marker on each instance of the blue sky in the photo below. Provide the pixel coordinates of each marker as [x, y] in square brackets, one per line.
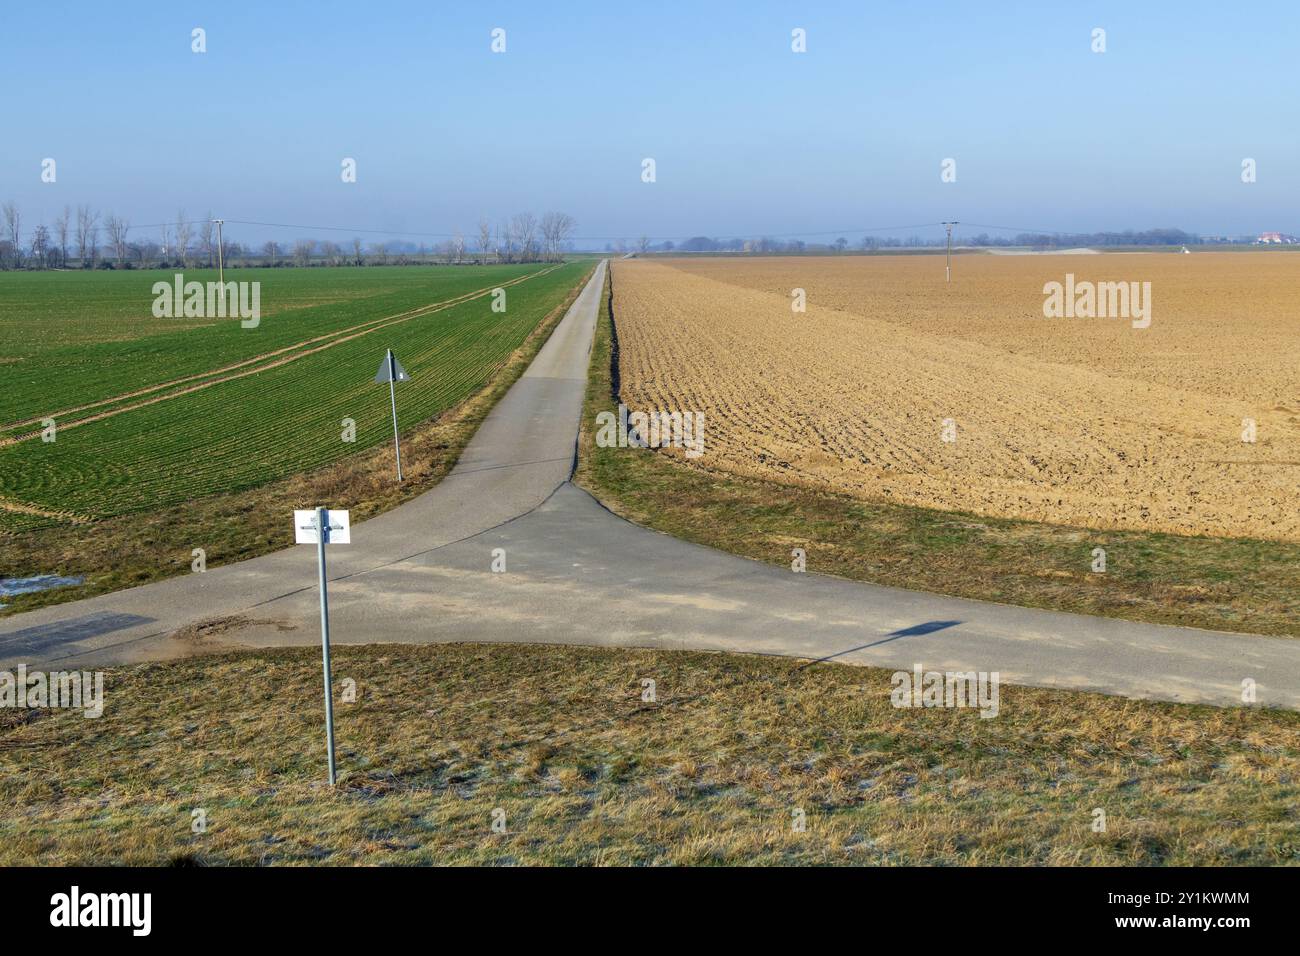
[748, 137]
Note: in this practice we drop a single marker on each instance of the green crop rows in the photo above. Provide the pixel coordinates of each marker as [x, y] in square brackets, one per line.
[74, 339]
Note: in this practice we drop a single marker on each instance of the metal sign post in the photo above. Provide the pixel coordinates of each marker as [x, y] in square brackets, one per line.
[391, 371]
[324, 527]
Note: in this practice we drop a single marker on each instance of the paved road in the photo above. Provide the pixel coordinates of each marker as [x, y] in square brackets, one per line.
[577, 574]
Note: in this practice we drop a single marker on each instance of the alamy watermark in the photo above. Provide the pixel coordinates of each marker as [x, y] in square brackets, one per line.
[651, 430]
[75, 908]
[211, 300]
[75, 690]
[1098, 300]
[922, 688]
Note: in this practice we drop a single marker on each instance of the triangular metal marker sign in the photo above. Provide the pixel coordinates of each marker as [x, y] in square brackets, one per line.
[391, 372]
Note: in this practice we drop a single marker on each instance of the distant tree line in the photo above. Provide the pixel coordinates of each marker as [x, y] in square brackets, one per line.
[1147, 237]
[88, 239]
[766, 245]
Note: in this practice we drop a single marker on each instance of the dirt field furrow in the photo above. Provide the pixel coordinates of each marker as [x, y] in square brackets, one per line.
[1085, 421]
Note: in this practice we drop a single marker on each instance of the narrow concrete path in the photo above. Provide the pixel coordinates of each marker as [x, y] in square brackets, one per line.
[577, 574]
[523, 450]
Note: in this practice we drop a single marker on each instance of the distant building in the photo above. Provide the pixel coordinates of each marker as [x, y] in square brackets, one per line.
[1276, 237]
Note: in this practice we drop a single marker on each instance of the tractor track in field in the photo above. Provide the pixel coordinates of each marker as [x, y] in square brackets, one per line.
[270, 360]
[22, 507]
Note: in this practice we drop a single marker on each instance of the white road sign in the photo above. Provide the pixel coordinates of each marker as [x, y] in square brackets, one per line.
[320, 527]
[339, 530]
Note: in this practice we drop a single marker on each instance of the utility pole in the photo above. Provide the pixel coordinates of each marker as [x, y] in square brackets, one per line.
[221, 266]
[948, 261]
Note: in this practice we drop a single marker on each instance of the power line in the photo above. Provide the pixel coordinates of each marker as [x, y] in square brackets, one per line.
[790, 235]
[1045, 232]
[447, 235]
[379, 232]
[159, 225]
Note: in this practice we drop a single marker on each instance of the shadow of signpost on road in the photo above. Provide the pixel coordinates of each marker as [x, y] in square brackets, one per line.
[929, 627]
[30, 645]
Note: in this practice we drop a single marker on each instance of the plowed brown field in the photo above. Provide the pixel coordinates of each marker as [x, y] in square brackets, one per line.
[1071, 421]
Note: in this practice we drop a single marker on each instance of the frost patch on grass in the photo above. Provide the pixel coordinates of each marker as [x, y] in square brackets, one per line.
[10, 587]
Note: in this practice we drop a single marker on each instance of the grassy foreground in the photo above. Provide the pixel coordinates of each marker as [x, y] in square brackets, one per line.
[559, 739]
[1219, 583]
[125, 551]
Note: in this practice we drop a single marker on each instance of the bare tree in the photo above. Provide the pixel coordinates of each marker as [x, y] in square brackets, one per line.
[148, 251]
[643, 245]
[206, 242]
[505, 243]
[556, 227]
[271, 251]
[184, 235]
[41, 246]
[113, 228]
[14, 231]
[458, 246]
[548, 229]
[61, 228]
[524, 226]
[87, 236]
[117, 228]
[302, 250]
[484, 237]
[357, 258]
[564, 230]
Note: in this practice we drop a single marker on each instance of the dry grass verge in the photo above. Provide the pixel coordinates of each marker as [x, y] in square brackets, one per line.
[587, 773]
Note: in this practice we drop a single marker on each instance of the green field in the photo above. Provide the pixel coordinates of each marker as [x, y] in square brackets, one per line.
[152, 412]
